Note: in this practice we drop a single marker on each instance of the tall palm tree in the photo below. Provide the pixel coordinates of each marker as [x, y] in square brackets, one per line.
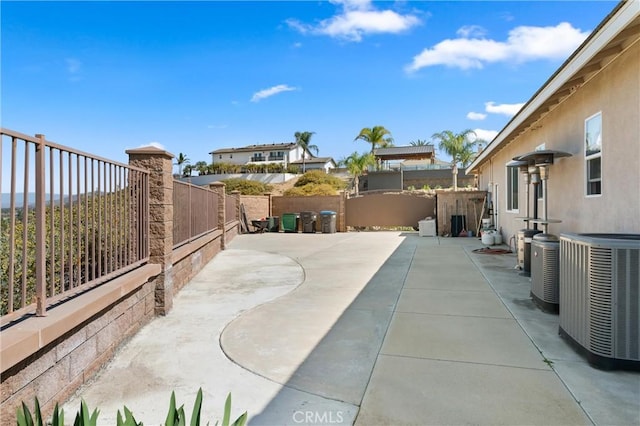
[357, 164]
[419, 142]
[181, 160]
[303, 141]
[377, 136]
[458, 146]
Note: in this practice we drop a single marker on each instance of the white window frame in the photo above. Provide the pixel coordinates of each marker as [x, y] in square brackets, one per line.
[510, 196]
[590, 157]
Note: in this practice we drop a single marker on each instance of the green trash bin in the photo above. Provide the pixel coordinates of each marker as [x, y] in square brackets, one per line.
[328, 221]
[290, 222]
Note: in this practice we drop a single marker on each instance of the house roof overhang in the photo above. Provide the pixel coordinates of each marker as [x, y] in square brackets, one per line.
[614, 35]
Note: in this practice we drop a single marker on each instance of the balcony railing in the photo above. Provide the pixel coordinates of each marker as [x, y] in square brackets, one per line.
[69, 221]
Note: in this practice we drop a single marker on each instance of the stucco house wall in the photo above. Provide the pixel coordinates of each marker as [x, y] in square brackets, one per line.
[242, 157]
[615, 93]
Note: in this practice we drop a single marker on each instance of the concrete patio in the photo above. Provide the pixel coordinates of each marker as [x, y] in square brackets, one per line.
[366, 328]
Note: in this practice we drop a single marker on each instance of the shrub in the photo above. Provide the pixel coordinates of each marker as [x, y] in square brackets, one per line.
[310, 189]
[246, 187]
[319, 177]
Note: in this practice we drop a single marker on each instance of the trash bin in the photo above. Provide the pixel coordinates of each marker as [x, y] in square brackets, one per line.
[274, 224]
[308, 220]
[290, 222]
[328, 221]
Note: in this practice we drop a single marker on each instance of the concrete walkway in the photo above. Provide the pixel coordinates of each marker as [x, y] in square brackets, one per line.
[365, 328]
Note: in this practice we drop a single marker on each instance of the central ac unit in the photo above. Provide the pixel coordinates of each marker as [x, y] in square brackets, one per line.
[600, 297]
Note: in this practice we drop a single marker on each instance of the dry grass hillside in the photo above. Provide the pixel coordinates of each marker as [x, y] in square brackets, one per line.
[279, 188]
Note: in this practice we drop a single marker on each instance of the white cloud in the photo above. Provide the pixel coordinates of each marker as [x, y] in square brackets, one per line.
[504, 109]
[471, 31]
[478, 116]
[523, 44]
[297, 45]
[485, 135]
[265, 93]
[358, 18]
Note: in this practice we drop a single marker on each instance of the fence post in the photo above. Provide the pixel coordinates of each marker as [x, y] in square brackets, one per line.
[269, 203]
[41, 282]
[219, 188]
[343, 211]
[160, 165]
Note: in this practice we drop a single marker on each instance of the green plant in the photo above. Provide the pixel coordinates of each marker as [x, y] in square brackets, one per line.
[246, 187]
[128, 420]
[411, 188]
[319, 177]
[310, 189]
[175, 416]
[426, 187]
[83, 418]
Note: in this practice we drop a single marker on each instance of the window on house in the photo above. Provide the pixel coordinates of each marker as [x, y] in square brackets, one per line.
[512, 189]
[220, 156]
[593, 154]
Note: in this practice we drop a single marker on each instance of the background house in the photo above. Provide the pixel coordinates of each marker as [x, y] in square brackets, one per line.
[280, 153]
[316, 163]
[589, 108]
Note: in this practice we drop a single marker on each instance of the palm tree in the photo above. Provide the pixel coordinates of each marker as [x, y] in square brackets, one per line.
[357, 164]
[181, 161]
[188, 169]
[302, 140]
[458, 146]
[419, 142]
[201, 167]
[377, 136]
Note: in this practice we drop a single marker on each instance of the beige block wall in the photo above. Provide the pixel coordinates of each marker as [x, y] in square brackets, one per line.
[256, 206]
[615, 92]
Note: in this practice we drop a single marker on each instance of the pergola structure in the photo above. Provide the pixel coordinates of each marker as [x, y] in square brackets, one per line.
[420, 152]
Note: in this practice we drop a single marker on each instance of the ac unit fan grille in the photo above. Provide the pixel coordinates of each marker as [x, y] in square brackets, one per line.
[600, 301]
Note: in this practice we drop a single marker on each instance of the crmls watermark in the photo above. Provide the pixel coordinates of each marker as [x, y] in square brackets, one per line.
[318, 417]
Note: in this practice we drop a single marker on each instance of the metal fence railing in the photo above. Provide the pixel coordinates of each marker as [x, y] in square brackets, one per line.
[195, 212]
[69, 221]
[230, 208]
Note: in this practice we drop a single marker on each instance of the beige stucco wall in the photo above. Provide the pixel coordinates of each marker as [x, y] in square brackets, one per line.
[615, 92]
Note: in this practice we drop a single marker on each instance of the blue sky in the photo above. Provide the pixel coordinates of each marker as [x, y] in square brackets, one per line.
[104, 77]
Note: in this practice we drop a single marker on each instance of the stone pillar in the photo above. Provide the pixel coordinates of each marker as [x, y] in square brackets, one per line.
[160, 165]
[219, 189]
[342, 214]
